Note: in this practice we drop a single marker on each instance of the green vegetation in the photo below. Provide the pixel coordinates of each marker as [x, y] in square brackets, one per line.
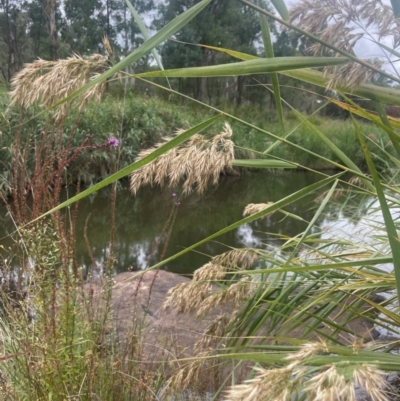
[291, 323]
[139, 122]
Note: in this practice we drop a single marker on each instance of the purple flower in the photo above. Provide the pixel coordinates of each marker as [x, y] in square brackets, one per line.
[113, 142]
[173, 195]
[177, 203]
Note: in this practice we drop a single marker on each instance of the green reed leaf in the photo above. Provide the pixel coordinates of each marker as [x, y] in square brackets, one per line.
[387, 216]
[144, 31]
[370, 91]
[380, 361]
[258, 66]
[281, 8]
[269, 52]
[326, 266]
[383, 94]
[258, 163]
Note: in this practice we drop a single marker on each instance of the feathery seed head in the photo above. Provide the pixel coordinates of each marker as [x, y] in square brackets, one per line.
[107, 47]
[274, 385]
[187, 297]
[197, 161]
[338, 23]
[372, 381]
[329, 385]
[198, 296]
[237, 259]
[253, 208]
[214, 333]
[306, 351]
[48, 82]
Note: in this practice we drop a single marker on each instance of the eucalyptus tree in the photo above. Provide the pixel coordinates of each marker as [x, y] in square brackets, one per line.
[14, 41]
[237, 27]
[45, 20]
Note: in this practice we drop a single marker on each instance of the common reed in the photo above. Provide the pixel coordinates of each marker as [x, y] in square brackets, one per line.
[343, 23]
[330, 383]
[48, 82]
[253, 208]
[212, 289]
[199, 296]
[197, 161]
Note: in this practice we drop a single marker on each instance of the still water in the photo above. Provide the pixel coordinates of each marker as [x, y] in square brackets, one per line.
[144, 232]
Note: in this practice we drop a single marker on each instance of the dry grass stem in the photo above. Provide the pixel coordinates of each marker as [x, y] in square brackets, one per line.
[198, 161]
[189, 374]
[214, 333]
[48, 82]
[107, 47]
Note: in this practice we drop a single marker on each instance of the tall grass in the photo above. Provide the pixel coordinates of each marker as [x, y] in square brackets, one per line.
[297, 313]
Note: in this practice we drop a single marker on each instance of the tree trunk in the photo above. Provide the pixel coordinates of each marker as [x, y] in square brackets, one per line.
[51, 16]
[11, 41]
[239, 91]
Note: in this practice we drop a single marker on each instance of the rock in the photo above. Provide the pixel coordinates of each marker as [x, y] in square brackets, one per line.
[137, 304]
[138, 315]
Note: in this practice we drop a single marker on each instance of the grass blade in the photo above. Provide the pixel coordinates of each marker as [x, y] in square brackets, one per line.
[394, 137]
[269, 52]
[389, 224]
[339, 153]
[370, 91]
[258, 163]
[144, 31]
[258, 66]
[337, 265]
[281, 8]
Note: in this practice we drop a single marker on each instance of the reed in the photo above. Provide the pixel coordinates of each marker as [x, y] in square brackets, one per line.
[293, 311]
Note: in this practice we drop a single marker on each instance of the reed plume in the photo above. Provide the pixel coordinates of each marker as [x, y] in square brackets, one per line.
[197, 161]
[253, 208]
[198, 295]
[330, 383]
[48, 82]
[338, 23]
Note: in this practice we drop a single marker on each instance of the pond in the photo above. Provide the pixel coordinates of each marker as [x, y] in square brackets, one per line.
[154, 224]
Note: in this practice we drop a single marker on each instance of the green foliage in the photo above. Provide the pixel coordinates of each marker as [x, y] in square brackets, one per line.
[310, 288]
[59, 335]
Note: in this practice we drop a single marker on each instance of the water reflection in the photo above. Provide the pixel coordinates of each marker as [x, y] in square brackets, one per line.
[141, 237]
